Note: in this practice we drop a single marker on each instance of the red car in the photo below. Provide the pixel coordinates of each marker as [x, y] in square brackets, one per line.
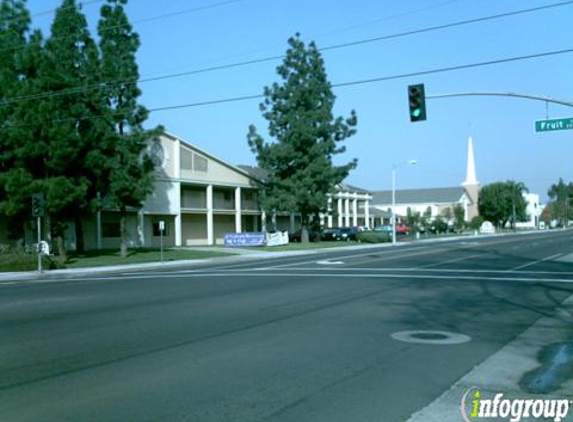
[402, 229]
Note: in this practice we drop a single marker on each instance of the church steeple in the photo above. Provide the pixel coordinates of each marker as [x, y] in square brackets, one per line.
[471, 166]
[471, 184]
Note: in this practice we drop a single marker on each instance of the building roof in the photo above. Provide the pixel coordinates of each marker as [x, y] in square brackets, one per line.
[207, 154]
[345, 187]
[262, 175]
[256, 172]
[420, 196]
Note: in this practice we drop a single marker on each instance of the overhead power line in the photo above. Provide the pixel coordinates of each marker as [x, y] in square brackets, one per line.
[16, 47]
[277, 57]
[449, 25]
[337, 85]
[381, 79]
[49, 12]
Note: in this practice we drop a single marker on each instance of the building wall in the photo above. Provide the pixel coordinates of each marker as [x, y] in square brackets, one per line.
[194, 228]
[165, 198]
[473, 192]
[533, 211]
[152, 234]
[223, 224]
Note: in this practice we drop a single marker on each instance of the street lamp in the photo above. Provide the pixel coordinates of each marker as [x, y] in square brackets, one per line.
[394, 167]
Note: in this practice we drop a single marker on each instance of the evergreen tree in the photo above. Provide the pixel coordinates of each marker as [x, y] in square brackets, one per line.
[130, 167]
[14, 26]
[71, 134]
[301, 173]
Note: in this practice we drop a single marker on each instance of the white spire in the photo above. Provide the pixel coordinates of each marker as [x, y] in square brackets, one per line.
[471, 168]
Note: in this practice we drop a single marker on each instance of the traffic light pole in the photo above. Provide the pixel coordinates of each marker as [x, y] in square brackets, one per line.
[503, 94]
[39, 245]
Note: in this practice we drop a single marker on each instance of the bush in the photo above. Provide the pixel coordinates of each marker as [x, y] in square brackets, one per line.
[476, 222]
[23, 259]
[374, 237]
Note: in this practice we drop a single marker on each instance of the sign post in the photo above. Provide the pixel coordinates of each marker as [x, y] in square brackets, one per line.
[554, 124]
[38, 212]
[161, 230]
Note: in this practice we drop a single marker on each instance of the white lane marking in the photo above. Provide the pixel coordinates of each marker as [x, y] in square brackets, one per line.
[549, 258]
[387, 251]
[329, 262]
[395, 269]
[356, 276]
[454, 260]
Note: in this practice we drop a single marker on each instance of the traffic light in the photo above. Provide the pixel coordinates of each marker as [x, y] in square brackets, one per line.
[38, 205]
[417, 102]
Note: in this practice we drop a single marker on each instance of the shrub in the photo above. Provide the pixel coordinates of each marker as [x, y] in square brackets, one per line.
[476, 222]
[374, 237]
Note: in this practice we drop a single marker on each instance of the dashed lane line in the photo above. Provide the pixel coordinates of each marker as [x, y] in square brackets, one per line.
[464, 258]
[529, 264]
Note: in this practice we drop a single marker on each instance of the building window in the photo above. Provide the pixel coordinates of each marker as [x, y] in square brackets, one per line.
[186, 159]
[199, 163]
[111, 229]
[157, 232]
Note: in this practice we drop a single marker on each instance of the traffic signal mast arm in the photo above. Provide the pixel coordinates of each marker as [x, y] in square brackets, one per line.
[503, 94]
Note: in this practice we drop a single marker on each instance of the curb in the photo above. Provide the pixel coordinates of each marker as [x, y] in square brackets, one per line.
[244, 256]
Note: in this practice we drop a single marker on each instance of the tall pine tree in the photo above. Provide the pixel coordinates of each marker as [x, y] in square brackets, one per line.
[130, 167]
[301, 173]
[69, 128]
[14, 27]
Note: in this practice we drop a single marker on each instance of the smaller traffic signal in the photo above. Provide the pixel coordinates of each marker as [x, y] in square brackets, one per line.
[38, 205]
[417, 102]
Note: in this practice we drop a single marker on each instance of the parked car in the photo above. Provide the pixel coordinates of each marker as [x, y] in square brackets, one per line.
[340, 233]
[329, 234]
[387, 228]
[347, 233]
[296, 236]
[403, 229]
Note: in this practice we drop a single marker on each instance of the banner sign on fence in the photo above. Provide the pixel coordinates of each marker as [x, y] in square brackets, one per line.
[277, 239]
[245, 239]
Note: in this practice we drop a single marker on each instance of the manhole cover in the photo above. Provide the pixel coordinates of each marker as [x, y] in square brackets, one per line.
[431, 337]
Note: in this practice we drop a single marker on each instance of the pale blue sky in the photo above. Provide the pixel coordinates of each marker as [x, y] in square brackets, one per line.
[506, 144]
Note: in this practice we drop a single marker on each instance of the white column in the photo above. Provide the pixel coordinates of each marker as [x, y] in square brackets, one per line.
[339, 212]
[140, 228]
[329, 217]
[367, 213]
[347, 212]
[210, 231]
[355, 211]
[263, 221]
[175, 208]
[177, 173]
[238, 213]
[178, 229]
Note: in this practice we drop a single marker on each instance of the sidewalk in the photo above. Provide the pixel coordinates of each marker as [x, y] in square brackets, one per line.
[503, 372]
[241, 254]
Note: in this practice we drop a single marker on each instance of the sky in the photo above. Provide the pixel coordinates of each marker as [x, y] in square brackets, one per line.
[181, 36]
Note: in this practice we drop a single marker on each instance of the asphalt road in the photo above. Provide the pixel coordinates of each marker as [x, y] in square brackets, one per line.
[304, 338]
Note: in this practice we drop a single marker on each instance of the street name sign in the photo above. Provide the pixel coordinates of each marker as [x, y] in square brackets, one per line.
[555, 124]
